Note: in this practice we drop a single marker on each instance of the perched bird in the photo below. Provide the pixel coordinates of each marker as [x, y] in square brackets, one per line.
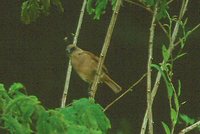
[85, 64]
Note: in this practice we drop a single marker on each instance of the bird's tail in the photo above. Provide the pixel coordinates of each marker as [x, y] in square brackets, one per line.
[113, 85]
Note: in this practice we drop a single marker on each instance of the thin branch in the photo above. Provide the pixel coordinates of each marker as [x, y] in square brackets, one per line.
[128, 90]
[187, 129]
[69, 70]
[169, 2]
[150, 57]
[105, 48]
[189, 32]
[149, 10]
[158, 77]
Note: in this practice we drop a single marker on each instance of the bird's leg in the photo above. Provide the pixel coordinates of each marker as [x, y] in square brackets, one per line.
[89, 89]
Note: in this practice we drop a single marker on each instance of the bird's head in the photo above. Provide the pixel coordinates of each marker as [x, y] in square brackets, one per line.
[70, 48]
[73, 49]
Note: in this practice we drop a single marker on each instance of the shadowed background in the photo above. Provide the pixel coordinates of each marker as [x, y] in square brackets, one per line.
[35, 56]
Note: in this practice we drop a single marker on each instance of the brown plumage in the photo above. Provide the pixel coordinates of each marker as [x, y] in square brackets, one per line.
[85, 64]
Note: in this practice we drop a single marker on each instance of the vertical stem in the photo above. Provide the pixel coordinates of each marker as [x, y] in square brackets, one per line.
[105, 48]
[69, 70]
[150, 57]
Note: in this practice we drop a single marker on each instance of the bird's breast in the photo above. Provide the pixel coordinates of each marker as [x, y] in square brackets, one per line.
[85, 67]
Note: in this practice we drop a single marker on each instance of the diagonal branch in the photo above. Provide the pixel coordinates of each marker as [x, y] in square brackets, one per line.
[123, 94]
[187, 129]
[69, 70]
[105, 48]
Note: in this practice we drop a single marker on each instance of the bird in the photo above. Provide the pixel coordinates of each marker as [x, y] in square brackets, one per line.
[85, 65]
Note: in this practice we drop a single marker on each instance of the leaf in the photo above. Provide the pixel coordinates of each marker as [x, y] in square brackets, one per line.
[179, 87]
[188, 120]
[14, 126]
[165, 53]
[30, 11]
[170, 89]
[96, 7]
[90, 9]
[45, 5]
[14, 89]
[166, 128]
[182, 42]
[162, 12]
[100, 8]
[176, 101]
[2, 87]
[150, 2]
[113, 3]
[173, 114]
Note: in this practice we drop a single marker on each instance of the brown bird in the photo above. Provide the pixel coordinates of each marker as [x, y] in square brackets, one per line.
[85, 64]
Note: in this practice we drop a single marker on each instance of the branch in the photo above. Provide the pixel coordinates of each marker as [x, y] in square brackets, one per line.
[187, 129]
[189, 32]
[150, 57]
[171, 47]
[105, 48]
[69, 70]
[149, 10]
[128, 90]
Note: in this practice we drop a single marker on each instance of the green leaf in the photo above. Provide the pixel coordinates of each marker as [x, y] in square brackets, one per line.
[150, 2]
[176, 101]
[100, 8]
[188, 120]
[90, 9]
[166, 128]
[45, 4]
[165, 53]
[14, 126]
[14, 89]
[179, 87]
[170, 89]
[2, 87]
[96, 7]
[162, 12]
[113, 3]
[173, 114]
[30, 11]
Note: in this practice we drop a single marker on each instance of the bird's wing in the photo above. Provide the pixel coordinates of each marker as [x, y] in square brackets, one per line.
[95, 58]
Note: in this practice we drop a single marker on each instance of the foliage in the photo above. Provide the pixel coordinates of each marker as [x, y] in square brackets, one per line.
[166, 70]
[21, 113]
[33, 9]
[162, 4]
[97, 7]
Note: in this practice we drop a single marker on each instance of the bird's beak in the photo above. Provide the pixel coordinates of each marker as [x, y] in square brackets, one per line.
[68, 50]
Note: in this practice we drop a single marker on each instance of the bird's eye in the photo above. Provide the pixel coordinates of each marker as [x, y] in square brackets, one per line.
[72, 49]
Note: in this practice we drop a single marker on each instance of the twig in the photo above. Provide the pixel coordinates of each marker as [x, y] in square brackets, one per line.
[128, 90]
[158, 77]
[149, 10]
[189, 32]
[69, 70]
[105, 48]
[187, 129]
[150, 57]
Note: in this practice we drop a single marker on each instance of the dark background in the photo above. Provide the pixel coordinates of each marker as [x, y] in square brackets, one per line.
[35, 56]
